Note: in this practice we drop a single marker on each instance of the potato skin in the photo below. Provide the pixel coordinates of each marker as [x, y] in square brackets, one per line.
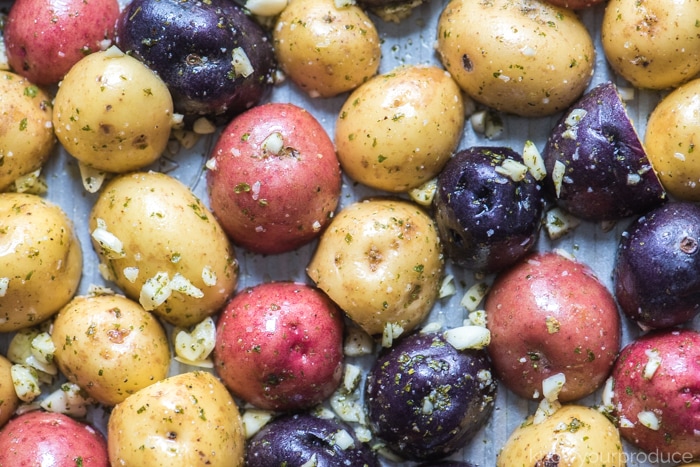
[422, 370]
[670, 392]
[186, 419]
[45, 38]
[112, 113]
[588, 438]
[549, 314]
[279, 346]
[381, 261]
[606, 172]
[165, 232]
[398, 130]
[326, 50]
[272, 201]
[652, 44]
[42, 261]
[109, 346]
[523, 57]
[26, 136]
[670, 141]
[8, 396]
[34, 437]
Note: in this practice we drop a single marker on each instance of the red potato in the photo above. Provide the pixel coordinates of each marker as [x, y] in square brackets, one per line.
[549, 314]
[656, 393]
[45, 38]
[274, 178]
[46, 438]
[279, 346]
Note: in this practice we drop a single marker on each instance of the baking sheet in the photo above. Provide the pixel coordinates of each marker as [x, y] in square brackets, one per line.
[409, 42]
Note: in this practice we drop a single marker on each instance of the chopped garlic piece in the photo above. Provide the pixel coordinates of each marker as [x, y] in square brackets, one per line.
[391, 331]
[534, 161]
[343, 439]
[575, 116]
[266, 7]
[209, 276]
[512, 169]
[203, 126]
[424, 193]
[478, 318]
[545, 409]
[473, 297]
[68, 399]
[32, 183]
[180, 283]
[274, 143]
[42, 348]
[349, 408]
[447, 288]
[357, 342]
[241, 63]
[4, 283]
[468, 337]
[652, 364]
[254, 419]
[194, 348]
[558, 173]
[113, 52]
[26, 382]
[351, 377]
[649, 419]
[608, 393]
[155, 291]
[552, 385]
[131, 273]
[110, 244]
[92, 178]
[312, 462]
[559, 222]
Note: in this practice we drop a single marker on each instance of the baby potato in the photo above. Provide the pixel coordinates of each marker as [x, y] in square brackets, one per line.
[653, 44]
[528, 58]
[381, 261]
[26, 135]
[161, 245]
[398, 130]
[186, 419]
[670, 140]
[41, 261]
[324, 48]
[9, 401]
[109, 346]
[113, 113]
[573, 436]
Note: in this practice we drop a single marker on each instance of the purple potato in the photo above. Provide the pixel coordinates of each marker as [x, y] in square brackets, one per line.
[597, 168]
[292, 440]
[656, 274]
[192, 45]
[486, 219]
[425, 399]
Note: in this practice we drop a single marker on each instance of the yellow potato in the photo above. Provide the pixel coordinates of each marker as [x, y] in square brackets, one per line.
[40, 260]
[185, 420]
[381, 261]
[109, 346]
[525, 57]
[574, 436]
[112, 113]
[26, 135]
[653, 44]
[398, 130]
[163, 248]
[671, 138]
[324, 48]
[8, 396]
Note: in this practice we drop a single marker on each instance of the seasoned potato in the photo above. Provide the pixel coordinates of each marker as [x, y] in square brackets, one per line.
[112, 113]
[381, 261]
[653, 44]
[26, 136]
[42, 261]
[398, 130]
[573, 436]
[109, 346]
[670, 140]
[187, 419]
[324, 48]
[160, 244]
[524, 57]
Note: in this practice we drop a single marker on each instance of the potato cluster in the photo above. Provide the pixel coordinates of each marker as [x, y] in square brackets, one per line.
[384, 232]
